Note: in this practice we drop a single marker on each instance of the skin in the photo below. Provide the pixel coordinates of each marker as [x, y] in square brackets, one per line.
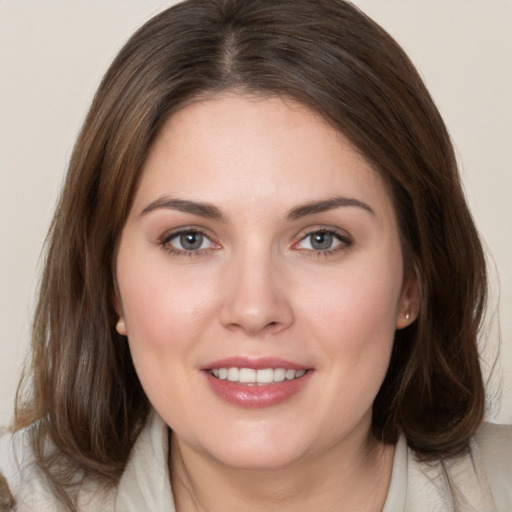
[259, 287]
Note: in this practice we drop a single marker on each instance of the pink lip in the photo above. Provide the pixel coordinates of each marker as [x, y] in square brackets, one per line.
[256, 396]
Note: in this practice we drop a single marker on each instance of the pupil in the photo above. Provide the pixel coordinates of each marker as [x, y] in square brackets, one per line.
[191, 240]
[321, 240]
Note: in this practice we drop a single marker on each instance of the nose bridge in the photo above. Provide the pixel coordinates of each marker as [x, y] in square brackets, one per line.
[255, 298]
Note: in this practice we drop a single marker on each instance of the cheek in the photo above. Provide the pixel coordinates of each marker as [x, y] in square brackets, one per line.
[164, 307]
[358, 301]
[354, 318]
[165, 313]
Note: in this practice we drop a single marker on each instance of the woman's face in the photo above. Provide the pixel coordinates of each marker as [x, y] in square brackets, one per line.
[260, 282]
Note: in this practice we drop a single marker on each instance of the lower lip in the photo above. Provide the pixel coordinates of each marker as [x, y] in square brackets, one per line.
[256, 396]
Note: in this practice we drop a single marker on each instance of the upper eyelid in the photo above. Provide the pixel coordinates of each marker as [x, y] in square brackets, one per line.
[172, 233]
[344, 238]
[342, 233]
[165, 242]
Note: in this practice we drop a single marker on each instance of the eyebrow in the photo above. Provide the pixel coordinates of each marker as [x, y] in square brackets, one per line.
[182, 205]
[212, 212]
[328, 204]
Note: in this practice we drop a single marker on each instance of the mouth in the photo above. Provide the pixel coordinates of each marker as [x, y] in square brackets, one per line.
[259, 377]
[256, 382]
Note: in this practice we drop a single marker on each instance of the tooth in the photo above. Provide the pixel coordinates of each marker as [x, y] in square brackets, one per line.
[290, 374]
[247, 375]
[262, 376]
[233, 374]
[279, 374]
[265, 376]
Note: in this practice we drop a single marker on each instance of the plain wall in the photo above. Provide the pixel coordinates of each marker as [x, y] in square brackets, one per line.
[52, 57]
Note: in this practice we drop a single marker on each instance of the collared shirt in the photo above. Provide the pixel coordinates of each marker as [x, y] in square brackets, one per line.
[479, 481]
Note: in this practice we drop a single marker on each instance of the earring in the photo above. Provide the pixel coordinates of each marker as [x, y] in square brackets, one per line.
[407, 315]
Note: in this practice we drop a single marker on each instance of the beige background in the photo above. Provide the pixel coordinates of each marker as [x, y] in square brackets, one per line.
[52, 56]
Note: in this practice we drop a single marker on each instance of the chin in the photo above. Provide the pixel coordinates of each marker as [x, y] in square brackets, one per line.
[252, 459]
[255, 453]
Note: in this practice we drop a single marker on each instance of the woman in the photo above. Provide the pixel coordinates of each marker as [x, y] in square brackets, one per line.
[263, 286]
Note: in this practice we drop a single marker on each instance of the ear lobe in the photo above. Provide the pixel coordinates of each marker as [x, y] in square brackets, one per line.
[409, 305]
[120, 325]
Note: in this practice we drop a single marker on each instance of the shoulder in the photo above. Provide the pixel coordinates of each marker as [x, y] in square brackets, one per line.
[494, 443]
[478, 480]
[23, 488]
[7, 501]
[11, 463]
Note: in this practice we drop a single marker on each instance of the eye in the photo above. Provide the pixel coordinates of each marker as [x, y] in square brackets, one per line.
[323, 240]
[187, 241]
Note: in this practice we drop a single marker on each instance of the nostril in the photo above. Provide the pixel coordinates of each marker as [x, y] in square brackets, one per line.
[255, 310]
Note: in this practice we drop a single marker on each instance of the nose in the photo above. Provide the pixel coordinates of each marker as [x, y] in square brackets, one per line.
[256, 298]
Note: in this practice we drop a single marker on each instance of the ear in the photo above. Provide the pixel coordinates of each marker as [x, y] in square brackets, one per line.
[410, 301]
[121, 326]
[118, 306]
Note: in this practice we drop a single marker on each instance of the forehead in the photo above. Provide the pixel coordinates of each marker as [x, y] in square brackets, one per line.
[256, 149]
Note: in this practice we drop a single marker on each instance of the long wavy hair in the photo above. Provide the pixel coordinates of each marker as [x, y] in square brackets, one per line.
[83, 396]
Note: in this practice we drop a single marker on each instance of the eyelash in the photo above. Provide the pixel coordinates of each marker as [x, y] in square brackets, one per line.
[345, 242]
[165, 242]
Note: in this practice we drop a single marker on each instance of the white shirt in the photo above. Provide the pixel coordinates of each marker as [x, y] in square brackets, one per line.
[481, 479]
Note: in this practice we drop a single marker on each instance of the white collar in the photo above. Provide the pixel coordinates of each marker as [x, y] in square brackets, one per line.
[459, 483]
[145, 484]
[414, 486]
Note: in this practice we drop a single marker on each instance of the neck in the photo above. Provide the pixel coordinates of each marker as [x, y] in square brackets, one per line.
[348, 477]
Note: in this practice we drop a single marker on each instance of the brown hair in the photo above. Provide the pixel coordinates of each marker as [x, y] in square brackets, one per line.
[85, 395]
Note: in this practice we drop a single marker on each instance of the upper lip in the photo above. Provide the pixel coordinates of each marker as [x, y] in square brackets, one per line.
[256, 363]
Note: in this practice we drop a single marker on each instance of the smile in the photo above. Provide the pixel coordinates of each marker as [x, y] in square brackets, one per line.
[250, 376]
